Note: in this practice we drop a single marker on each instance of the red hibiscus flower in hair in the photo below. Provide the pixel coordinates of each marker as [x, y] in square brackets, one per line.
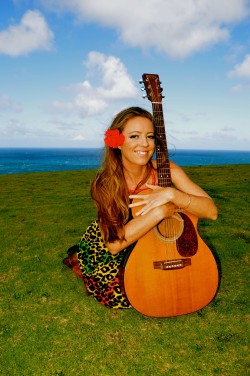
[113, 138]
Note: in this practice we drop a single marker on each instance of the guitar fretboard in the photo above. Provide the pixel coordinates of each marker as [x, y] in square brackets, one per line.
[164, 175]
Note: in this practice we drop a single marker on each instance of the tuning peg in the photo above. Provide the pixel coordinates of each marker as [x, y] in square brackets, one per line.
[142, 88]
[141, 82]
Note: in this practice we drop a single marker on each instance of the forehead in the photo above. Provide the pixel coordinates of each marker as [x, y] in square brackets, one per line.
[139, 124]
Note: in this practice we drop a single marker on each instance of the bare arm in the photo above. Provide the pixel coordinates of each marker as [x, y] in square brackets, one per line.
[140, 225]
[164, 202]
[185, 195]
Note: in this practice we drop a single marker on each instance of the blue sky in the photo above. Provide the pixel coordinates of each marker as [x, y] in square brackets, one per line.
[68, 66]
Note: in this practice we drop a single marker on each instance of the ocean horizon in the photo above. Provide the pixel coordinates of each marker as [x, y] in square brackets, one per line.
[25, 160]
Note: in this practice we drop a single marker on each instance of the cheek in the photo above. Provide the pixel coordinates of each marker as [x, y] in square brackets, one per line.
[126, 146]
[128, 143]
[152, 144]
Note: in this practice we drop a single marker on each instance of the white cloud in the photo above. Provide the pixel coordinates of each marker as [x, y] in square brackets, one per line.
[221, 139]
[62, 107]
[177, 28]
[30, 35]
[16, 128]
[6, 103]
[240, 88]
[241, 70]
[228, 129]
[115, 84]
[79, 137]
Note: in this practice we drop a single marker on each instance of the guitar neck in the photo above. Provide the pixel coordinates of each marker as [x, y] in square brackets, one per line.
[163, 165]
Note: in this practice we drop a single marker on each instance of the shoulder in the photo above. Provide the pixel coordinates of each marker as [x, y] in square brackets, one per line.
[175, 168]
[178, 174]
[181, 180]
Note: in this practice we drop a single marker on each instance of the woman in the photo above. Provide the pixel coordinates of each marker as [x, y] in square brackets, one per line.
[127, 169]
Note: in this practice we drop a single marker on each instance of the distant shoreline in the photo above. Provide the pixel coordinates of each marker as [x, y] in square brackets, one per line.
[100, 148]
[25, 160]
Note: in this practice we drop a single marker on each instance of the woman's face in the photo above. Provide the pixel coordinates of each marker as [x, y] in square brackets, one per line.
[139, 144]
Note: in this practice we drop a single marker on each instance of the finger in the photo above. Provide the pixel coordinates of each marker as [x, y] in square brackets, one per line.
[135, 204]
[139, 197]
[176, 216]
[153, 187]
[140, 212]
[143, 211]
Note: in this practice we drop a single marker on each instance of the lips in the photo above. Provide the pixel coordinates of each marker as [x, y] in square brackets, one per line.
[141, 152]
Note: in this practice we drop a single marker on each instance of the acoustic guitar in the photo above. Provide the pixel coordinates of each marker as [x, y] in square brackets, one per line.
[170, 271]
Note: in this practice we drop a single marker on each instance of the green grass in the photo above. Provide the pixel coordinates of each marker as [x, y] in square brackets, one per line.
[50, 327]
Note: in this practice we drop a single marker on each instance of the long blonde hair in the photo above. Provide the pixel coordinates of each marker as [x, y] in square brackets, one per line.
[109, 189]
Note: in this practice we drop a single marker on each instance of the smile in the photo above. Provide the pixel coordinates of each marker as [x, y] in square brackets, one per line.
[142, 152]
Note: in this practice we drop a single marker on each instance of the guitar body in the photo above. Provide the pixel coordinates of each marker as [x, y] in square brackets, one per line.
[165, 276]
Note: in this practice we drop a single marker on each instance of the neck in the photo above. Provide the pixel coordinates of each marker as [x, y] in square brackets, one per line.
[136, 177]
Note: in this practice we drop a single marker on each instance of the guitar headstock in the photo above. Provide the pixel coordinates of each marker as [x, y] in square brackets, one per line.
[153, 87]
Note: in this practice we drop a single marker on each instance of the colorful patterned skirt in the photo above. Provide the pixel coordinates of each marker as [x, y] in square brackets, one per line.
[100, 269]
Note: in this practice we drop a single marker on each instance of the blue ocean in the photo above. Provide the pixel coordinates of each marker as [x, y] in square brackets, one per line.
[23, 160]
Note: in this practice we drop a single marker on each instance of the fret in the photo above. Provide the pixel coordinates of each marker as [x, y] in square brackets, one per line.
[154, 93]
[164, 175]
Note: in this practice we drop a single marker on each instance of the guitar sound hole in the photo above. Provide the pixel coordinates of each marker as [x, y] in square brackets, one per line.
[170, 229]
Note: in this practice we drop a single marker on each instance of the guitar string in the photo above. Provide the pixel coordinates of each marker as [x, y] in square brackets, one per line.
[170, 230]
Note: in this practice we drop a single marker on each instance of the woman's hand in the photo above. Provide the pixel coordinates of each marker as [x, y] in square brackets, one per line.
[158, 197]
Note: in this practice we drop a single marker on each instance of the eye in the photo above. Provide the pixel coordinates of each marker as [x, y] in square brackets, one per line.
[151, 137]
[134, 136]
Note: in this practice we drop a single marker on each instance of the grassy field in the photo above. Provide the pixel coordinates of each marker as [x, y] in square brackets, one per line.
[50, 327]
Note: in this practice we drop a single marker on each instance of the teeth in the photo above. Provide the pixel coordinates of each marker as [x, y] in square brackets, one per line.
[142, 152]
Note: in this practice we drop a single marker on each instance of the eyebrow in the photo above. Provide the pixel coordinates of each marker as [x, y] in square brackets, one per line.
[151, 132]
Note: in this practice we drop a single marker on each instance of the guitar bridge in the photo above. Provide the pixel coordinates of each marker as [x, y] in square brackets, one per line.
[172, 264]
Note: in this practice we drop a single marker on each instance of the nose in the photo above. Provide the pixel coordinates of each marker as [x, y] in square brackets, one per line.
[144, 141]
